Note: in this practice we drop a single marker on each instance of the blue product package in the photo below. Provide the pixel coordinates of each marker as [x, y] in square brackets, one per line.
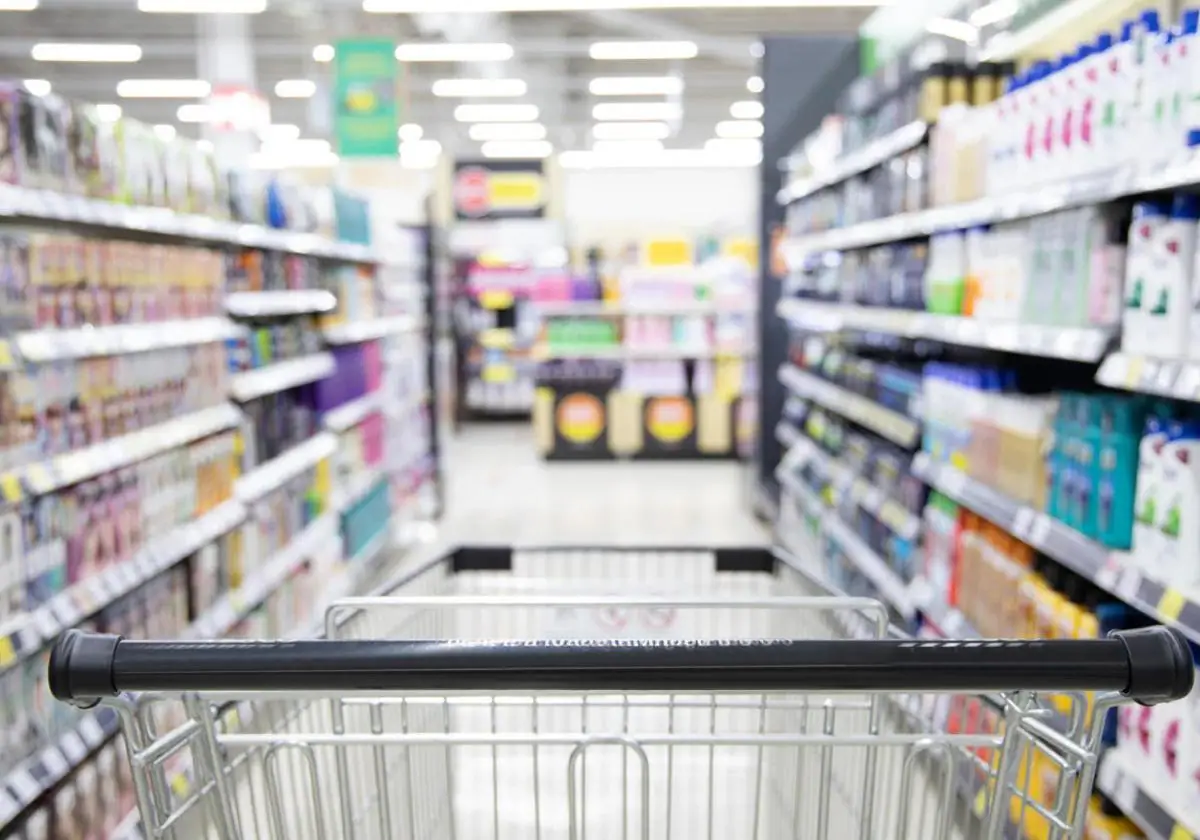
[1115, 486]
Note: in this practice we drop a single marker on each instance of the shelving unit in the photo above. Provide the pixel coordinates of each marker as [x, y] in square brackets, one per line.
[244, 589]
[1138, 801]
[893, 425]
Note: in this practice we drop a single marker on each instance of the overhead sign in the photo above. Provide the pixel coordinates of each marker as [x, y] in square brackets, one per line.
[499, 189]
[366, 113]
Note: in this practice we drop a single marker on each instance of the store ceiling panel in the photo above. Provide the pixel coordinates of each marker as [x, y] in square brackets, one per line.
[551, 54]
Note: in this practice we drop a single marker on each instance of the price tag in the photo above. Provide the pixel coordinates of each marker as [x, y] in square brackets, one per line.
[1126, 792]
[128, 575]
[8, 655]
[48, 626]
[55, 762]
[495, 298]
[952, 481]
[1127, 586]
[1133, 371]
[22, 783]
[10, 488]
[99, 590]
[90, 731]
[73, 748]
[1023, 524]
[9, 807]
[1041, 530]
[1106, 577]
[498, 372]
[1171, 604]
[920, 463]
[1181, 833]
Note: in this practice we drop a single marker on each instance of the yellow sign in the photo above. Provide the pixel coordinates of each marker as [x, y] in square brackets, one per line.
[580, 418]
[665, 252]
[498, 373]
[496, 338]
[10, 487]
[495, 298]
[516, 190]
[1171, 604]
[670, 419]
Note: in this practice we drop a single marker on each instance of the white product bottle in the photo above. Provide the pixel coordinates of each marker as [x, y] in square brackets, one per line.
[1091, 94]
[1170, 289]
[1148, 217]
[1072, 144]
[1138, 133]
[1030, 147]
[1050, 108]
[1147, 495]
[1179, 512]
[1187, 52]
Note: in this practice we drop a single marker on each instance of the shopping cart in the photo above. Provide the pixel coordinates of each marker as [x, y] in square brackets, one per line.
[648, 693]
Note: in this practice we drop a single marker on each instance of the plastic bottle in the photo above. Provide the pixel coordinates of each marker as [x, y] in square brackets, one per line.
[1073, 83]
[1185, 106]
[1090, 93]
[1148, 218]
[1053, 114]
[1002, 117]
[1031, 120]
[1170, 283]
[1139, 134]
[1115, 83]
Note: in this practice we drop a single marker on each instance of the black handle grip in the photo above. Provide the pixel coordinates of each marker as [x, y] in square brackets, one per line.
[1151, 665]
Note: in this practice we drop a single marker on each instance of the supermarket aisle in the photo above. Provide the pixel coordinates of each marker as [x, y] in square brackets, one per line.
[500, 490]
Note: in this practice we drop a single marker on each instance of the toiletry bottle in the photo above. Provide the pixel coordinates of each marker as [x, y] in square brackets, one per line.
[1148, 218]
[1170, 279]
[1115, 81]
[1187, 90]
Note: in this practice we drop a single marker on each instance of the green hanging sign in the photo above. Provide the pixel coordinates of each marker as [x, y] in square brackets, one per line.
[366, 113]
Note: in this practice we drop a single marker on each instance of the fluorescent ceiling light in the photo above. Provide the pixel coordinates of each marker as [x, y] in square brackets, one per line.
[626, 147]
[410, 132]
[629, 111]
[295, 88]
[631, 131]
[642, 50]
[165, 132]
[323, 53]
[196, 113]
[959, 30]
[636, 86]
[739, 128]
[18, 5]
[507, 131]
[112, 53]
[454, 52]
[280, 132]
[457, 6]
[203, 7]
[108, 111]
[994, 12]
[746, 110]
[38, 87]
[754, 84]
[664, 159]
[515, 149]
[496, 113]
[163, 88]
[479, 87]
[420, 154]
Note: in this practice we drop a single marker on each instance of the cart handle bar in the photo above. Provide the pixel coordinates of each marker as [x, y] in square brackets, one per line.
[1151, 665]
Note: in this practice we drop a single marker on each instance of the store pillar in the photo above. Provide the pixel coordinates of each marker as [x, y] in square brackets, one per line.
[237, 111]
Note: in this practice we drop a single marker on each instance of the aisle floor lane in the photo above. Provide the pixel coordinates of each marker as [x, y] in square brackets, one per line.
[499, 490]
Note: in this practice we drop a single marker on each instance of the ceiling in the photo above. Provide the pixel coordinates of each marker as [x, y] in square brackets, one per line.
[551, 55]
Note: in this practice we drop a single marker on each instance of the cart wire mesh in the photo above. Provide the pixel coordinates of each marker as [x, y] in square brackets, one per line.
[634, 765]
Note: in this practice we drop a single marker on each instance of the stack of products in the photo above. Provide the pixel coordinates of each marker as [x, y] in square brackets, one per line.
[52, 280]
[267, 341]
[270, 271]
[356, 292]
[280, 421]
[277, 518]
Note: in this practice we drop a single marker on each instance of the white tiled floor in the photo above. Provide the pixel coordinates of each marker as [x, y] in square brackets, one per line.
[499, 490]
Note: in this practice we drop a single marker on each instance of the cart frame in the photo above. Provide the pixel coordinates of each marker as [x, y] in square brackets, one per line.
[487, 703]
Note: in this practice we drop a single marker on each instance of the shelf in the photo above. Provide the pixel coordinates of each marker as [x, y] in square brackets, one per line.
[281, 376]
[286, 302]
[787, 434]
[1175, 378]
[1138, 803]
[283, 468]
[598, 308]
[1081, 344]
[369, 330]
[1110, 570]
[890, 586]
[893, 425]
[349, 415]
[32, 778]
[31, 633]
[623, 353]
[1090, 189]
[856, 162]
[73, 467]
[234, 606]
[41, 346]
[44, 205]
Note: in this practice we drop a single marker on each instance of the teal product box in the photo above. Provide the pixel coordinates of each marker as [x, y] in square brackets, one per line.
[1089, 446]
[1116, 484]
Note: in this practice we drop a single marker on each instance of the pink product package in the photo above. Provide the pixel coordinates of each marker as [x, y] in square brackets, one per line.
[373, 429]
[373, 364]
[550, 287]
